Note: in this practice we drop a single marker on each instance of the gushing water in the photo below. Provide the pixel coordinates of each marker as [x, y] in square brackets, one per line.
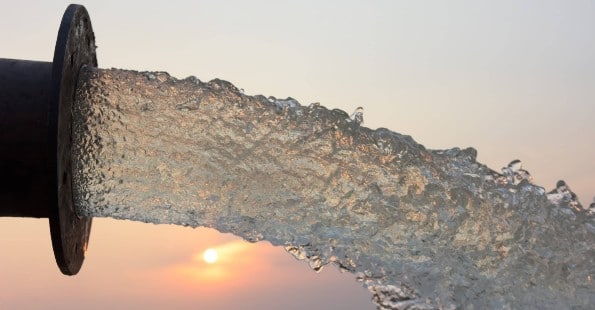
[422, 229]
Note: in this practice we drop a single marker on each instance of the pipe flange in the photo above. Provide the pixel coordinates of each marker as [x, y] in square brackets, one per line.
[75, 47]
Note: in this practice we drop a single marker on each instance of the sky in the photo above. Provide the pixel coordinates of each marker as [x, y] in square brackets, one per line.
[513, 79]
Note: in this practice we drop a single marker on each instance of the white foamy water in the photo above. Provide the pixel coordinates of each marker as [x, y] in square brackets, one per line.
[422, 229]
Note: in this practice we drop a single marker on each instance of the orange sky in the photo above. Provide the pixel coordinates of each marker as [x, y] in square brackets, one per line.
[133, 265]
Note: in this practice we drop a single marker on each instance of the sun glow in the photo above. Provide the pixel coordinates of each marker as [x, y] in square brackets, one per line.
[210, 256]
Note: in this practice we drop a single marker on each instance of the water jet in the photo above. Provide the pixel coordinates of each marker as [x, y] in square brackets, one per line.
[422, 228]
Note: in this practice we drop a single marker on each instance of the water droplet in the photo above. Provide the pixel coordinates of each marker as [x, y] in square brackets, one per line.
[539, 190]
[513, 174]
[295, 252]
[563, 196]
[357, 116]
[521, 175]
[346, 264]
[150, 76]
[190, 105]
[395, 297]
[193, 79]
[287, 105]
[316, 263]
[219, 84]
[515, 165]
[360, 276]
[253, 236]
[160, 76]
[383, 140]
[561, 186]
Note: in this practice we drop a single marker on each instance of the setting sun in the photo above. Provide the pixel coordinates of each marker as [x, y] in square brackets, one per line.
[210, 256]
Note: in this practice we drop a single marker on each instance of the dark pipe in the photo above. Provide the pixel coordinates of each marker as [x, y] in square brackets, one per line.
[35, 137]
[24, 108]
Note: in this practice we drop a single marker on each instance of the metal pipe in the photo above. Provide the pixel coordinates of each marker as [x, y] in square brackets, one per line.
[24, 99]
[35, 137]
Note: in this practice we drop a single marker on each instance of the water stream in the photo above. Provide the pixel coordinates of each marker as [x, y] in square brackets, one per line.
[422, 229]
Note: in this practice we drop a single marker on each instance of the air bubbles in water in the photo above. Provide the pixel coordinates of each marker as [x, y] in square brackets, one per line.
[193, 80]
[314, 105]
[161, 76]
[383, 140]
[286, 105]
[307, 252]
[514, 174]
[419, 227]
[345, 264]
[315, 263]
[190, 105]
[395, 297]
[150, 76]
[515, 165]
[357, 116]
[296, 252]
[367, 278]
[562, 195]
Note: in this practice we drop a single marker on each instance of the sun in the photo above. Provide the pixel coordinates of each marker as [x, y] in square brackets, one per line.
[210, 256]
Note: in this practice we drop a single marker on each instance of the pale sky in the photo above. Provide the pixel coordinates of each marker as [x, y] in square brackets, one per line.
[513, 79]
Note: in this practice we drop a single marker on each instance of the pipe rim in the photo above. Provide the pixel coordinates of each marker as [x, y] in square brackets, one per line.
[75, 47]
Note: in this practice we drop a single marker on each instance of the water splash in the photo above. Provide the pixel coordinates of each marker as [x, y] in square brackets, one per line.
[309, 254]
[515, 174]
[357, 116]
[420, 228]
[285, 106]
[567, 200]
